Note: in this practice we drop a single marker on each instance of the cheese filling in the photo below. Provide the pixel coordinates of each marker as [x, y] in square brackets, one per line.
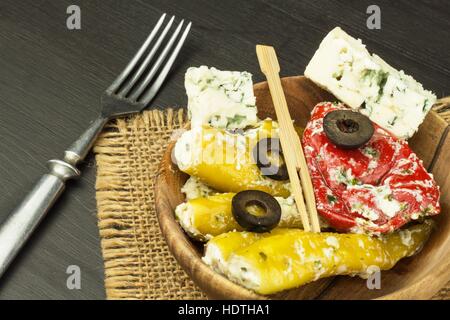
[194, 188]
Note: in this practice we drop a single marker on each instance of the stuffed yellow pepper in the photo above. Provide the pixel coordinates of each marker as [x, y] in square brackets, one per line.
[287, 259]
[208, 216]
[223, 160]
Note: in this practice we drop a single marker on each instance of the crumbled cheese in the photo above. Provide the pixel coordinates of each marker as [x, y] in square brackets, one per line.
[373, 164]
[405, 236]
[370, 270]
[222, 99]
[363, 225]
[300, 250]
[243, 273]
[328, 252]
[341, 269]
[318, 269]
[290, 218]
[188, 148]
[214, 258]
[365, 211]
[366, 83]
[332, 241]
[342, 175]
[385, 201]
[288, 269]
[361, 243]
[185, 216]
[194, 188]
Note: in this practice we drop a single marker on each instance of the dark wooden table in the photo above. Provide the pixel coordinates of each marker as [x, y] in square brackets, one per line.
[51, 79]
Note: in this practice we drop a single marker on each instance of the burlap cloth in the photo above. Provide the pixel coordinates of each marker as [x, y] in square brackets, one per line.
[138, 264]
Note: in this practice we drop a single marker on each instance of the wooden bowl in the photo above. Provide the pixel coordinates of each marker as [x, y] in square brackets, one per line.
[419, 277]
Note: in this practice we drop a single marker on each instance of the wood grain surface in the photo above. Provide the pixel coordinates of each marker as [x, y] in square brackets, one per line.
[51, 79]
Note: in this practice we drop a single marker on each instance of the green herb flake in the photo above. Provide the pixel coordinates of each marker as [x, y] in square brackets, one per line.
[424, 108]
[331, 199]
[425, 211]
[263, 255]
[338, 75]
[371, 152]
[407, 171]
[382, 79]
[392, 122]
[237, 119]
[317, 264]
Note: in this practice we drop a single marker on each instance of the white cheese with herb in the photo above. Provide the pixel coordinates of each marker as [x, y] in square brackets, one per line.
[222, 99]
[194, 188]
[188, 148]
[366, 83]
[185, 215]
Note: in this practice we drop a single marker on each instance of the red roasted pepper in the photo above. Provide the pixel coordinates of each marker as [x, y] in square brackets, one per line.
[376, 188]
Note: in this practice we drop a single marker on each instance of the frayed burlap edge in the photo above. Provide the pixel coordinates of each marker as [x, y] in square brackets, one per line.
[137, 262]
[442, 107]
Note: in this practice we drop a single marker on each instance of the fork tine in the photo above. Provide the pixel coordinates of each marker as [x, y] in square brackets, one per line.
[144, 64]
[137, 92]
[123, 75]
[162, 76]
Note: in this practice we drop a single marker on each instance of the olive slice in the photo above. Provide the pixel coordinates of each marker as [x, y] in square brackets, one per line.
[348, 129]
[241, 204]
[265, 164]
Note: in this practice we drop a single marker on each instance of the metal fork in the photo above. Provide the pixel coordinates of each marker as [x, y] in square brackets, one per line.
[130, 92]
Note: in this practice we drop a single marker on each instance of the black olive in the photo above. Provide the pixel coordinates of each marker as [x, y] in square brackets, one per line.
[348, 129]
[256, 223]
[261, 157]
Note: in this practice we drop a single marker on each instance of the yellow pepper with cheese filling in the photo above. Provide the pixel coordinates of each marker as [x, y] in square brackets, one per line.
[287, 259]
[223, 160]
[219, 249]
[205, 217]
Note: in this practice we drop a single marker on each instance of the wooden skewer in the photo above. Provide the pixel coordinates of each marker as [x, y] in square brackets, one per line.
[290, 142]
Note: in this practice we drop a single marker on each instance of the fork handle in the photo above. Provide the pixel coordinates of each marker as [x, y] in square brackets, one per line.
[80, 148]
[20, 224]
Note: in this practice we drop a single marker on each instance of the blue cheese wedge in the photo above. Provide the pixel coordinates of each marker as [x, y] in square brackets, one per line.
[366, 83]
[222, 99]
